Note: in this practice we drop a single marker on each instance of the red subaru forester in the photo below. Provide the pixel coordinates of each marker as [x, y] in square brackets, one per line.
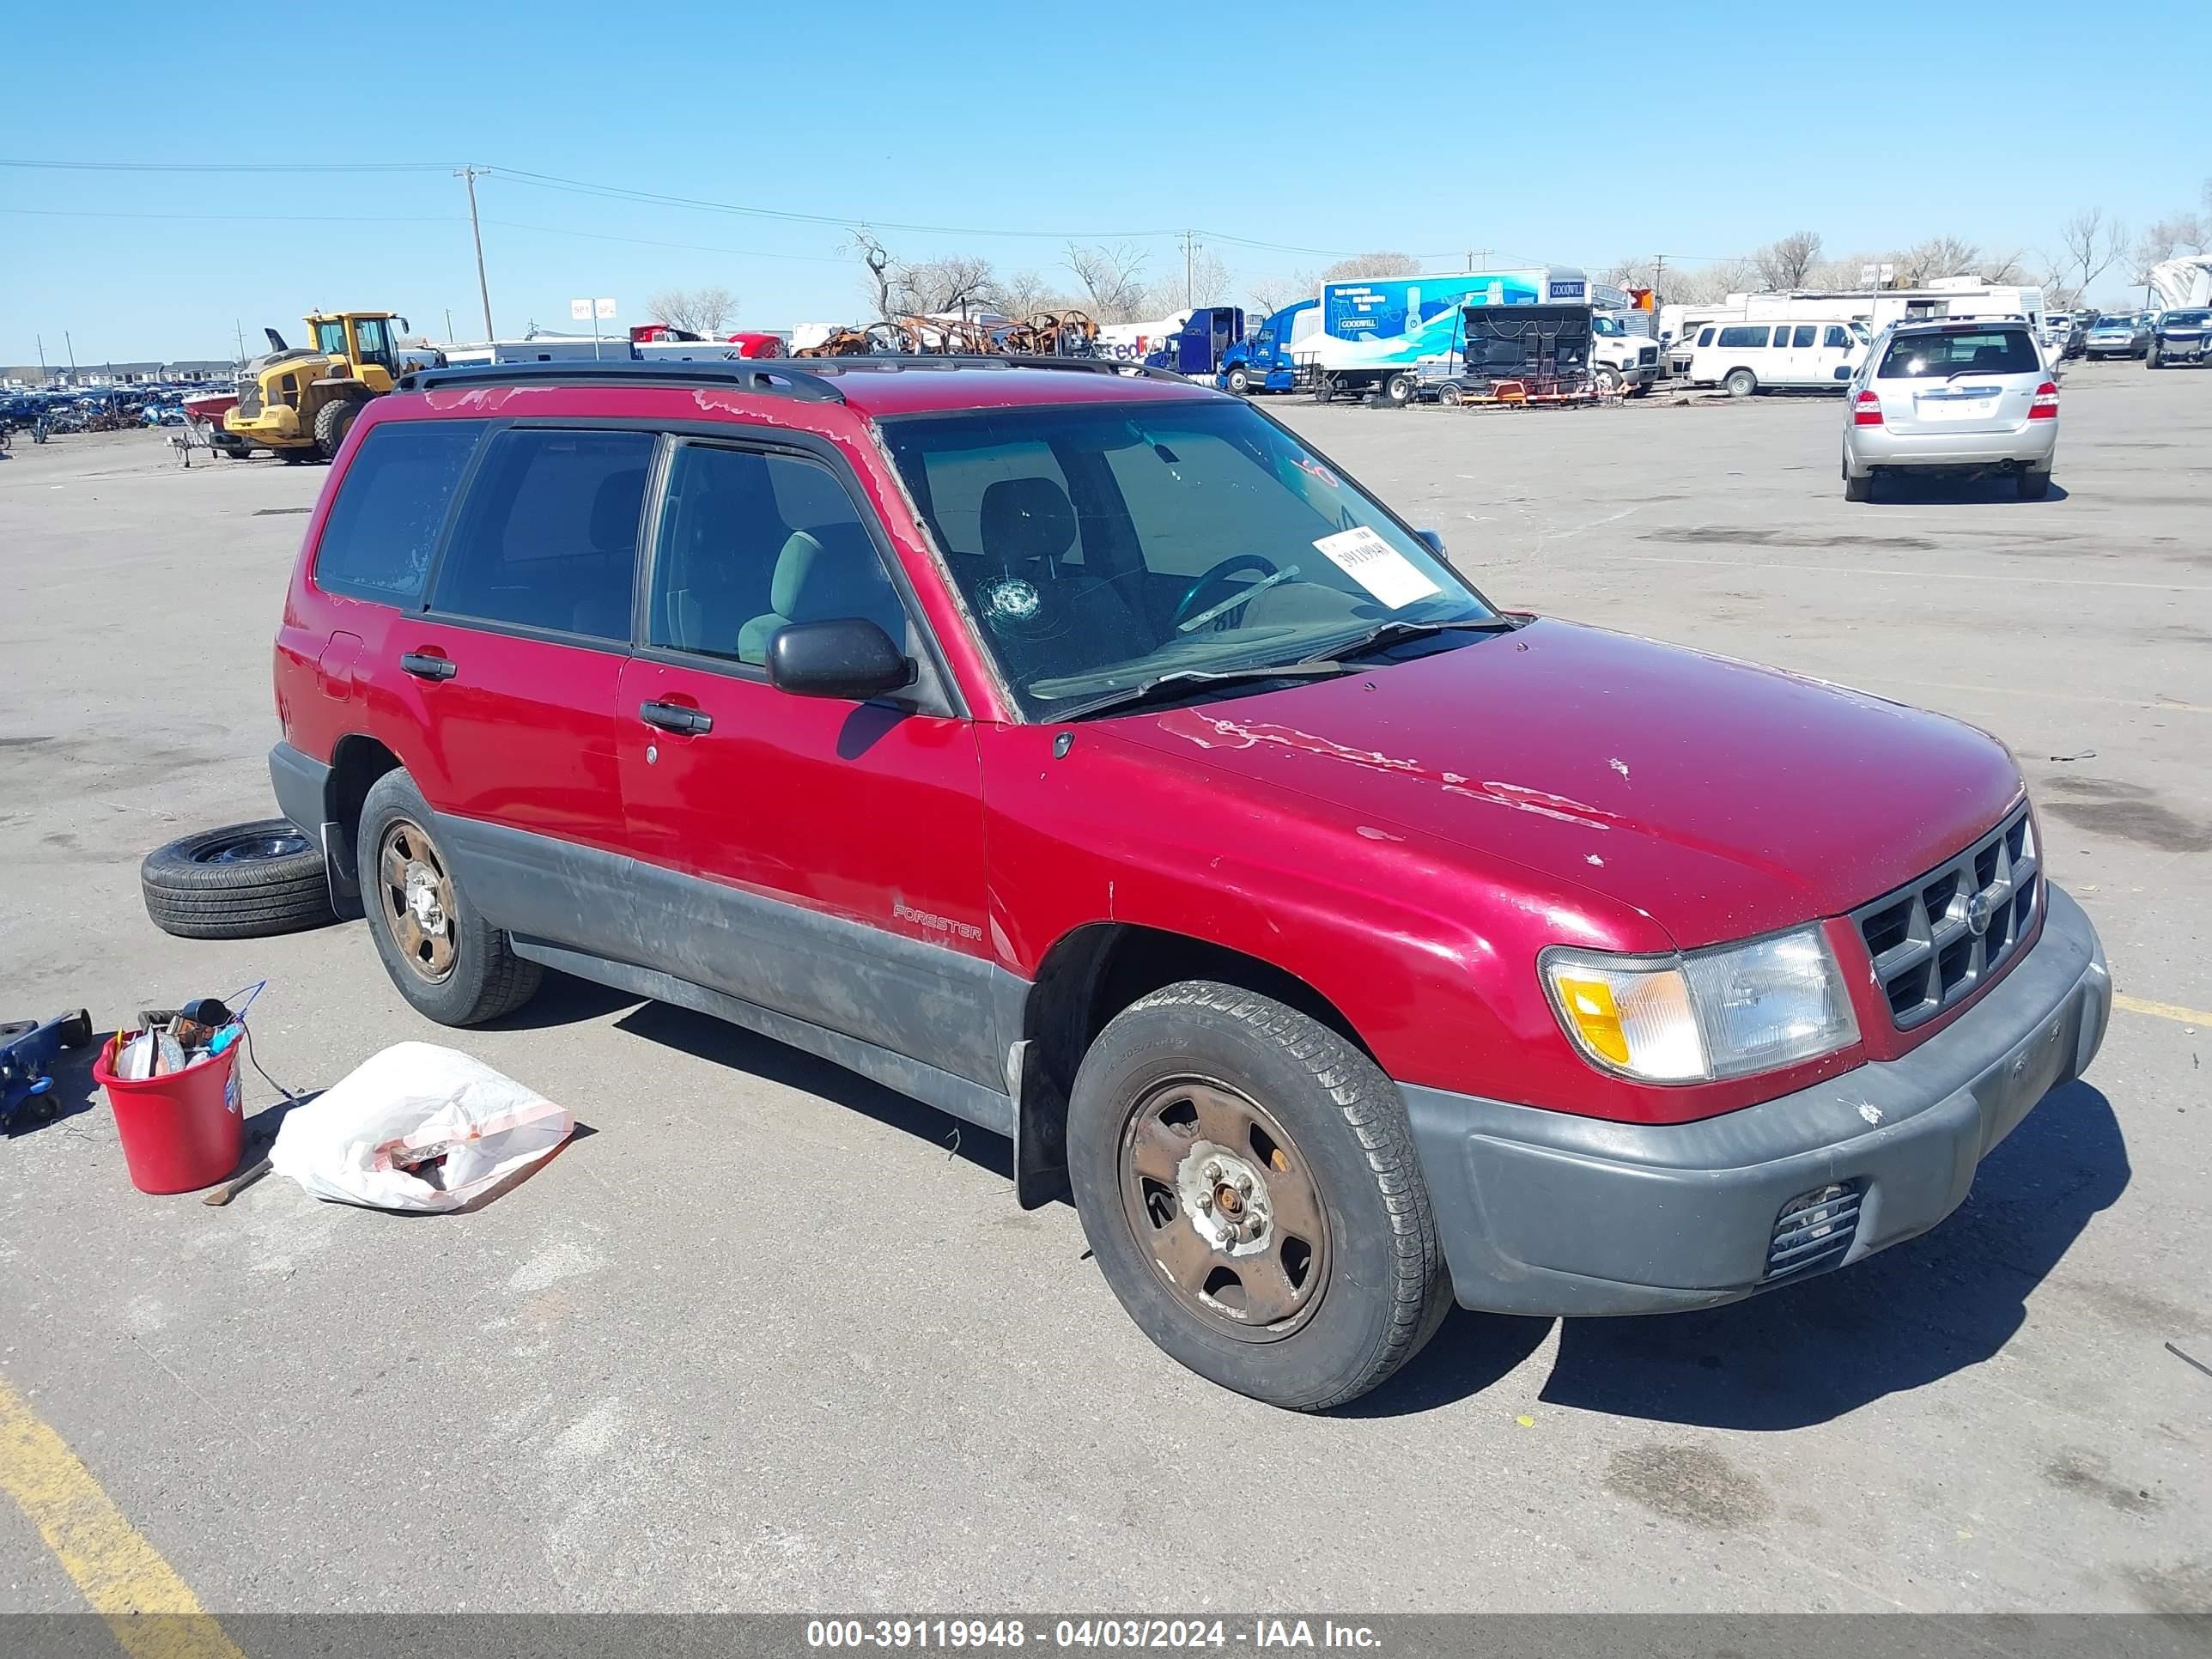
[1081, 752]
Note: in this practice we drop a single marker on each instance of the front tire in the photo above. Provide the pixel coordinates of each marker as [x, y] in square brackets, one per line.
[1247, 1179]
[1741, 383]
[1607, 381]
[1398, 390]
[450, 965]
[2150, 358]
[1239, 382]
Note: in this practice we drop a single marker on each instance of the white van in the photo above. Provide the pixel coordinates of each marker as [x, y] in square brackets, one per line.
[1801, 355]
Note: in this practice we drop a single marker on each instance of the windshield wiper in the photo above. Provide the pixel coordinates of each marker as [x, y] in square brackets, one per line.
[1179, 682]
[1390, 633]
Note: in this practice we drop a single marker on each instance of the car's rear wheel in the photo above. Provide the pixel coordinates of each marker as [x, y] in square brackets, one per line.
[1449, 394]
[1247, 1181]
[2034, 483]
[1741, 383]
[1858, 490]
[1398, 390]
[448, 963]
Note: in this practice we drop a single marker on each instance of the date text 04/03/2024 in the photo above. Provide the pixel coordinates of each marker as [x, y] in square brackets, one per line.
[1087, 1633]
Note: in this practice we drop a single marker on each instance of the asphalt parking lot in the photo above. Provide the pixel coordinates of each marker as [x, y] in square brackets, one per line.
[771, 1338]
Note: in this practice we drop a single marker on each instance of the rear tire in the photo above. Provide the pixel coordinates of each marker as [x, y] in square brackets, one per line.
[1337, 1177]
[452, 966]
[244, 881]
[1741, 383]
[1858, 490]
[1398, 390]
[1449, 394]
[2034, 483]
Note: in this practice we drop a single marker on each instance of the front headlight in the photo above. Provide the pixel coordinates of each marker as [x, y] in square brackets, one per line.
[1717, 1013]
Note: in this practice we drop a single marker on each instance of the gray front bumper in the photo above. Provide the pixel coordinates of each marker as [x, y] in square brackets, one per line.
[1545, 1212]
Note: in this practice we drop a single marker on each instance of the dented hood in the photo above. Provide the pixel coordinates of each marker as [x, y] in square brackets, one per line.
[1720, 798]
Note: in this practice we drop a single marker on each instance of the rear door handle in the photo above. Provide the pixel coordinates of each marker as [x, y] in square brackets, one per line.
[675, 717]
[424, 666]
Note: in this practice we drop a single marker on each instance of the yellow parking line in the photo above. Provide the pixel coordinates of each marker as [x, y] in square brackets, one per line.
[149, 1609]
[2162, 1009]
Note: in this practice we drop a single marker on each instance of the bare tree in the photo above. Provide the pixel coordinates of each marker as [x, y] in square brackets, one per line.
[1384, 263]
[1208, 282]
[880, 265]
[2089, 245]
[1112, 278]
[962, 283]
[1706, 285]
[1939, 256]
[1269, 295]
[2159, 242]
[1628, 273]
[694, 310]
[1783, 262]
[1026, 293]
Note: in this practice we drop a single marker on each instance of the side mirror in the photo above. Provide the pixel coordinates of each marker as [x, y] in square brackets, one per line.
[848, 658]
[1436, 543]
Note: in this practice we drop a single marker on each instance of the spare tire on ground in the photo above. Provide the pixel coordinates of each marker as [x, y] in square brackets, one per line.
[240, 882]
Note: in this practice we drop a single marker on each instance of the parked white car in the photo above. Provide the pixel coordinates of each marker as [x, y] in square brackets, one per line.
[1797, 355]
[1956, 398]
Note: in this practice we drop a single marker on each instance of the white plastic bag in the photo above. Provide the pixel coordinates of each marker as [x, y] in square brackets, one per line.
[375, 1136]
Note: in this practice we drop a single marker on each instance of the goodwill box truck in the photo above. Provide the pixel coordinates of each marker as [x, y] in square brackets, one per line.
[1380, 335]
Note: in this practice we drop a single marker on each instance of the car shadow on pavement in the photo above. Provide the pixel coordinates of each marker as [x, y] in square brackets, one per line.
[1468, 1354]
[564, 999]
[740, 1050]
[1890, 490]
[1914, 1313]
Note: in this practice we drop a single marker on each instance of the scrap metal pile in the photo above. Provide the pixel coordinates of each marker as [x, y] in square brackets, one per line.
[1049, 334]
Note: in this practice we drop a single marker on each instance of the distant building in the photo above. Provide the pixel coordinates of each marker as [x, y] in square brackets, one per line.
[106, 373]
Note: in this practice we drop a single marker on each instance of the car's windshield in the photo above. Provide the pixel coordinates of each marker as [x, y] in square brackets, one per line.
[2115, 322]
[1606, 325]
[1939, 356]
[2186, 319]
[1101, 546]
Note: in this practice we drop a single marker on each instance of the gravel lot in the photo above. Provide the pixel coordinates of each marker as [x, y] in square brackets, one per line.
[773, 1338]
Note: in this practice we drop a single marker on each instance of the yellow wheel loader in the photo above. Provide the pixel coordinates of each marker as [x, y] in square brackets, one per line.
[300, 401]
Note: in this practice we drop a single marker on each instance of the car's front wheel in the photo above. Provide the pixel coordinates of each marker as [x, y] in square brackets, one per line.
[448, 963]
[1247, 1179]
[1741, 383]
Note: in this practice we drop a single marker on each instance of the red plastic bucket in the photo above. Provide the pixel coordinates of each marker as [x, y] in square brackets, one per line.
[181, 1132]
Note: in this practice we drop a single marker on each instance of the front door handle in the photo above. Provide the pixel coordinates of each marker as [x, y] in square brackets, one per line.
[424, 666]
[675, 717]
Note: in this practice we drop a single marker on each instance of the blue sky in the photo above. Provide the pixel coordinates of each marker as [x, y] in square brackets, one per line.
[1315, 127]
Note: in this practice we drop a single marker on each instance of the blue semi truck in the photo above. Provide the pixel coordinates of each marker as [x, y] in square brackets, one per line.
[1262, 363]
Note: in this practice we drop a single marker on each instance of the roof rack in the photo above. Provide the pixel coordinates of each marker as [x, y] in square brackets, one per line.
[807, 378]
[765, 374]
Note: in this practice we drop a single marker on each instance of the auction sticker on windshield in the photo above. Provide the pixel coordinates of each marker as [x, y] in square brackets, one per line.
[1376, 566]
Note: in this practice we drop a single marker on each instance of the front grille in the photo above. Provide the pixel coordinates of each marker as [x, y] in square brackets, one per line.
[249, 396]
[1646, 355]
[1929, 950]
[1814, 1230]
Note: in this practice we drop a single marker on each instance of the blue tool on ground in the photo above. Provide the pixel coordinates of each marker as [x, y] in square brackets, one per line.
[27, 1054]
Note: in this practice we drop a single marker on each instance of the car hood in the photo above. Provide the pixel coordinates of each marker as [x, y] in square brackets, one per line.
[1720, 798]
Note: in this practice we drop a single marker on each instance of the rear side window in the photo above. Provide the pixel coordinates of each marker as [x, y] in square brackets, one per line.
[548, 536]
[1981, 351]
[1742, 339]
[1804, 335]
[383, 528]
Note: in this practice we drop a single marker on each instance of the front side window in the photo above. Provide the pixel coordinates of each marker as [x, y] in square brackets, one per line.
[1609, 326]
[548, 536]
[392, 503]
[329, 338]
[375, 338]
[1742, 338]
[1705, 337]
[1978, 351]
[752, 541]
[1836, 338]
[1100, 547]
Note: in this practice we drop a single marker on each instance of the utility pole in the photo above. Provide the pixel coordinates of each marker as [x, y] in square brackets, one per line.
[1658, 271]
[71, 344]
[449, 325]
[483, 289]
[239, 328]
[42, 360]
[1190, 283]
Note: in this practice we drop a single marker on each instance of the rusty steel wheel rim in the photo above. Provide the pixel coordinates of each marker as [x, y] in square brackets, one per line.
[1218, 1195]
[419, 900]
